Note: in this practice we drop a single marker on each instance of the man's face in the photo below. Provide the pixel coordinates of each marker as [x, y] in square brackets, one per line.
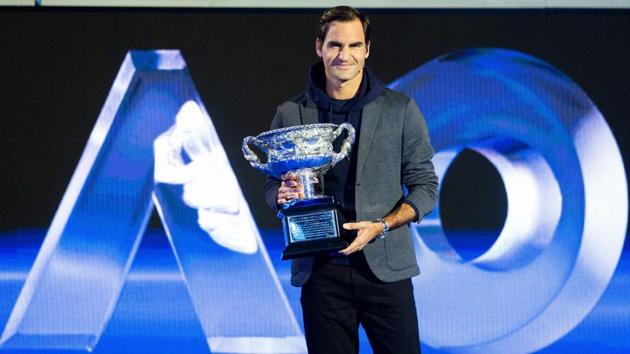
[344, 51]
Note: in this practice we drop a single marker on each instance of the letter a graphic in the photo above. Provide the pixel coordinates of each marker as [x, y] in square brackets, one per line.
[153, 144]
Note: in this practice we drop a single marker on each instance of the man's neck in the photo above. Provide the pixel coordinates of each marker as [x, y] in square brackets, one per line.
[344, 90]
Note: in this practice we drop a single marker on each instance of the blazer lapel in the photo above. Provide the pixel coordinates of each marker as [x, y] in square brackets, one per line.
[309, 114]
[369, 121]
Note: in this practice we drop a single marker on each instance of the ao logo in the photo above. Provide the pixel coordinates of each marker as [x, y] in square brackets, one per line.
[154, 144]
[567, 203]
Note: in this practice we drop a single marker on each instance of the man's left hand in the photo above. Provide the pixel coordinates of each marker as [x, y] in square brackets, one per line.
[366, 232]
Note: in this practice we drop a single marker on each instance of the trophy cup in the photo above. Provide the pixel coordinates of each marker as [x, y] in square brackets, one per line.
[310, 224]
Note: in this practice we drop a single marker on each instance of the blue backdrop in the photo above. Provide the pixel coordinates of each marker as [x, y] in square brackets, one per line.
[550, 279]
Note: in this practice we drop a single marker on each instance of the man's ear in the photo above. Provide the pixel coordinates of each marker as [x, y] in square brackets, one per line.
[367, 48]
[318, 47]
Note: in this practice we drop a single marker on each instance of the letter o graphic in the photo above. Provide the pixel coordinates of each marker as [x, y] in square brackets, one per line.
[567, 203]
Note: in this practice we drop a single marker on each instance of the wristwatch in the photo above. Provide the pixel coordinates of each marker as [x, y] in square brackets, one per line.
[385, 227]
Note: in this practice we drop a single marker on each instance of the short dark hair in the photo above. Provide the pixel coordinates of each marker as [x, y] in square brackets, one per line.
[341, 14]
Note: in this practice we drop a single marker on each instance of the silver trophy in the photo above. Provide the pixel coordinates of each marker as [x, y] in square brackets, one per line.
[310, 223]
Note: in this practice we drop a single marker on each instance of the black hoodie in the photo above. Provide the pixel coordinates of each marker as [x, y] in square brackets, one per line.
[339, 182]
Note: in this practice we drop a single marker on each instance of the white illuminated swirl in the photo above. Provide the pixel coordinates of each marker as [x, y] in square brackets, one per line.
[207, 186]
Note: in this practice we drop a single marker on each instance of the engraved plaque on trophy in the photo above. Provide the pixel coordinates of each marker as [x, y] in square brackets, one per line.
[311, 223]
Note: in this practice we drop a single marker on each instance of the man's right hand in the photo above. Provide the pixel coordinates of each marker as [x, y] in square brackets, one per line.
[290, 189]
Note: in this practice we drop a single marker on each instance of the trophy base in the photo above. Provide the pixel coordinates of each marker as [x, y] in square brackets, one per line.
[297, 250]
[311, 226]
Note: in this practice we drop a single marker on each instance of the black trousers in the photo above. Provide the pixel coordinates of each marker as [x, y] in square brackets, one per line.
[337, 298]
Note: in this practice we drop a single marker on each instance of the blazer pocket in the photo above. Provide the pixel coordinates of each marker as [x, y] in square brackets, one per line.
[385, 135]
[399, 251]
[384, 164]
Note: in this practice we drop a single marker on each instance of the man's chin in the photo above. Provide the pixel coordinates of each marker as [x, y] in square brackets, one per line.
[343, 77]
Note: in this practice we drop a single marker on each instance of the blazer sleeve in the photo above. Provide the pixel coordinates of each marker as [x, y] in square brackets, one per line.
[418, 173]
[271, 183]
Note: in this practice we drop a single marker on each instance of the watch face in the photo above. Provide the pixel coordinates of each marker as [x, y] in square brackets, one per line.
[385, 227]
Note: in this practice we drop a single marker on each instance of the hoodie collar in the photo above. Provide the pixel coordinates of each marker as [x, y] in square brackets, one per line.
[371, 87]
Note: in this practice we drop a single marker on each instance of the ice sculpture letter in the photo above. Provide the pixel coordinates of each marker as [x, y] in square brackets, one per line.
[153, 117]
[567, 202]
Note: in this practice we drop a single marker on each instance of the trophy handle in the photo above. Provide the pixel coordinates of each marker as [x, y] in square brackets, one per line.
[252, 157]
[346, 146]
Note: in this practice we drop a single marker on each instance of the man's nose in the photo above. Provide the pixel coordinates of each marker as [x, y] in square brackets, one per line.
[343, 52]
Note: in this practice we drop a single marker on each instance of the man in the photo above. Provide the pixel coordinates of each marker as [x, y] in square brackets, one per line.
[368, 282]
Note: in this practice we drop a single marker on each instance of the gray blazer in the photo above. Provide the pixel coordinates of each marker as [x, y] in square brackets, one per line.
[394, 150]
